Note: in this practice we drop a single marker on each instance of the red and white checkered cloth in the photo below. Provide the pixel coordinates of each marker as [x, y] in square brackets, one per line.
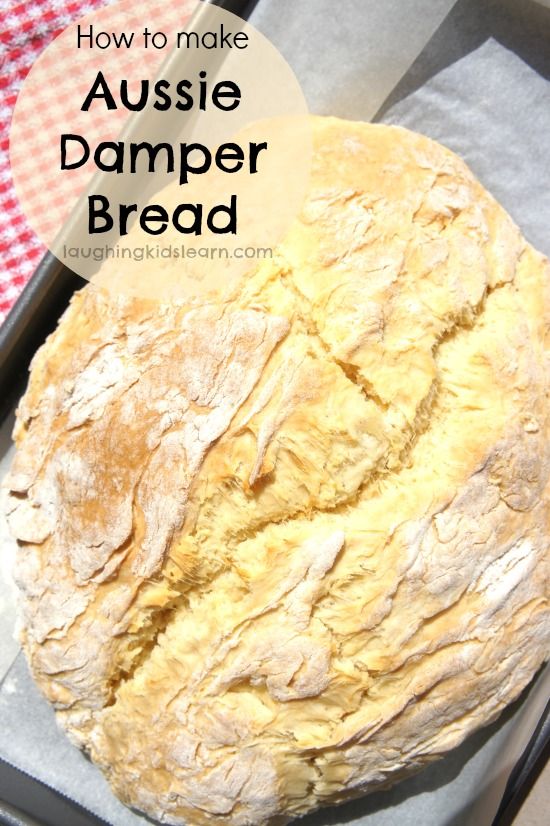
[26, 28]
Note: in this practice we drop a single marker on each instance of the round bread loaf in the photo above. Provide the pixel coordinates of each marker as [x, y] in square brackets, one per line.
[278, 551]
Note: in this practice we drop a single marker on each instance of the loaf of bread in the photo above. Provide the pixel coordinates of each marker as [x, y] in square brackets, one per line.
[283, 549]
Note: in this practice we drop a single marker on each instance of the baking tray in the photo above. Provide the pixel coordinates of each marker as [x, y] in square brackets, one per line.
[520, 28]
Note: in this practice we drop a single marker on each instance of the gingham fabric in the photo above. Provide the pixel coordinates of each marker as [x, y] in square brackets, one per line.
[25, 30]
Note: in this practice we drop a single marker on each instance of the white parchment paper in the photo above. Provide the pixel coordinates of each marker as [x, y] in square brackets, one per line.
[481, 86]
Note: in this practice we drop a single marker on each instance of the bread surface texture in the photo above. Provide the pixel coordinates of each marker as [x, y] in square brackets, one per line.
[282, 549]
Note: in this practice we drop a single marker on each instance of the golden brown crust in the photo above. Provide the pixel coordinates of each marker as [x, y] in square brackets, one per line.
[279, 551]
